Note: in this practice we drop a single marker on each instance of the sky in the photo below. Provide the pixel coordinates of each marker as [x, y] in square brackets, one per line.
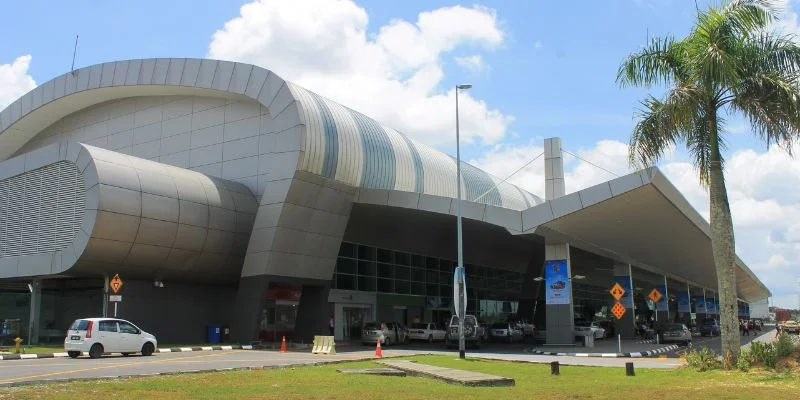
[538, 69]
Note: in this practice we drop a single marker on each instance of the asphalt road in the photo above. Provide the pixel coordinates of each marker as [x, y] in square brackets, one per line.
[714, 343]
[16, 371]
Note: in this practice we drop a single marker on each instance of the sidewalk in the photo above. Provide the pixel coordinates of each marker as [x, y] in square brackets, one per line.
[767, 337]
[607, 348]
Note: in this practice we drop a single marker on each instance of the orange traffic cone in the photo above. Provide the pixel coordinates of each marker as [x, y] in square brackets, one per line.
[378, 352]
[283, 345]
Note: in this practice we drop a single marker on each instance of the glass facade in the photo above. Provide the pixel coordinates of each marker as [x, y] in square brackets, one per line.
[492, 292]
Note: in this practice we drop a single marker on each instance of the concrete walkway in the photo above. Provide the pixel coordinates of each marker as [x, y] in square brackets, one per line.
[449, 375]
[766, 337]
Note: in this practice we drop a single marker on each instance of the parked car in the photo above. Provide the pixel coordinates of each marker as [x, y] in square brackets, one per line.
[474, 332]
[527, 328]
[387, 333]
[709, 327]
[790, 326]
[609, 328]
[98, 336]
[677, 333]
[504, 331]
[428, 331]
[586, 328]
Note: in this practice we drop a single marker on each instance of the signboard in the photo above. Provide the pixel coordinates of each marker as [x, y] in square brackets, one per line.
[662, 304]
[617, 291]
[460, 292]
[618, 310]
[655, 295]
[627, 297]
[711, 306]
[557, 283]
[700, 305]
[116, 298]
[116, 284]
[684, 302]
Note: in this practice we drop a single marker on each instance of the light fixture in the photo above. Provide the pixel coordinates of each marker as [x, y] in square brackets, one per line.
[578, 276]
[538, 279]
[158, 284]
[464, 86]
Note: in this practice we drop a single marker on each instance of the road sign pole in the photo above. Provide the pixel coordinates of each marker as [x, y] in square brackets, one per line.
[115, 309]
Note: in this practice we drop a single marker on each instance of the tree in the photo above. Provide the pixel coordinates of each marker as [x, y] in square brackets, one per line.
[729, 64]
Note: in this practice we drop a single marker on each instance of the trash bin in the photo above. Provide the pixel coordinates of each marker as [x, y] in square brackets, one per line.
[213, 333]
[588, 341]
[225, 336]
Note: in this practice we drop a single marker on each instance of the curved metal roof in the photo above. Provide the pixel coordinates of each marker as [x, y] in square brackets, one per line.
[336, 142]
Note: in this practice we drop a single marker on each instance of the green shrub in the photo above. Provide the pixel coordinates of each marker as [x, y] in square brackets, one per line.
[703, 359]
[784, 346]
[745, 360]
[764, 353]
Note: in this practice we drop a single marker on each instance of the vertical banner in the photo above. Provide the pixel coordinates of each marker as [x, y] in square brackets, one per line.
[627, 299]
[460, 292]
[663, 304]
[556, 279]
[684, 302]
[711, 306]
[700, 305]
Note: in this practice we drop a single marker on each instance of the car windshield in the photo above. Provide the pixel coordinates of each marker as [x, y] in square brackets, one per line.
[419, 326]
[79, 325]
[499, 326]
[372, 326]
[674, 327]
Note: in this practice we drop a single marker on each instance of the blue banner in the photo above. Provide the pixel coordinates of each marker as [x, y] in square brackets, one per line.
[556, 280]
[711, 306]
[700, 305]
[684, 302]
[663, 304]
[627, 299]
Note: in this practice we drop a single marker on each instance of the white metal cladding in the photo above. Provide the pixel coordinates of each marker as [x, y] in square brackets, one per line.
[41, 210]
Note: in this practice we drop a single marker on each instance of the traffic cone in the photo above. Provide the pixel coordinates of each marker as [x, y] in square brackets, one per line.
[283, 345]
[378, 352]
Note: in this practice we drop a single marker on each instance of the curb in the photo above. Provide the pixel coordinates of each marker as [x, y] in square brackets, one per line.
[164, 350]
[648, 353]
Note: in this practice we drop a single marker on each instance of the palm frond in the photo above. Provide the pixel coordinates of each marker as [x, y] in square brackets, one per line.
[660, 62]
[771, 102]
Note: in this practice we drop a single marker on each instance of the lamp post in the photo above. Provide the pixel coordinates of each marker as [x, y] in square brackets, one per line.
[462, 305]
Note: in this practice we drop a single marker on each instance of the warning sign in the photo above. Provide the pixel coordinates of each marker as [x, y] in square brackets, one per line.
[617, 291]
[655, 295]
[116, 284]
[618, 310]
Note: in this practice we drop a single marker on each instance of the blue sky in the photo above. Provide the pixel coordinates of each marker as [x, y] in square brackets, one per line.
[551, 72]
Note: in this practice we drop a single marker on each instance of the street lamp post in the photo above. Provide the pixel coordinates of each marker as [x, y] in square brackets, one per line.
[462, 305]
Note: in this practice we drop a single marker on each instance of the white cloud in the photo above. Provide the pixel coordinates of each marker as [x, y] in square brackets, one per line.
[394, 75]
[537, 45]
[15, 80]
[762, 189]
[473, 63]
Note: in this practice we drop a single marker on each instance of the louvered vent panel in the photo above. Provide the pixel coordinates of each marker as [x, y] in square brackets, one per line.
[41, 210]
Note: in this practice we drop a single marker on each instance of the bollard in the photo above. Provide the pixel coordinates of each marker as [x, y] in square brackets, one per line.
[554, 368]
[19, 345]
[629, 369]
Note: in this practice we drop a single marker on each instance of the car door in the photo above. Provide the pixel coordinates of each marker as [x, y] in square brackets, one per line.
[130, 337]
[108, 335]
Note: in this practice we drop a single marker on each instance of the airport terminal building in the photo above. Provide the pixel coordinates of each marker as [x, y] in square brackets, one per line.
[222, 194]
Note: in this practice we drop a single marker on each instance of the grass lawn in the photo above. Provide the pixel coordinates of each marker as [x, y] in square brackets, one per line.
[533, 381]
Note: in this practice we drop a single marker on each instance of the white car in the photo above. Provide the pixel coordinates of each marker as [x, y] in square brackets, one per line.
[98, 336]
[426, 331]
[584, 328]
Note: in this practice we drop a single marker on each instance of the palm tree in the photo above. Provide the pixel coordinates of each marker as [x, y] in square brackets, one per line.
[729, 64]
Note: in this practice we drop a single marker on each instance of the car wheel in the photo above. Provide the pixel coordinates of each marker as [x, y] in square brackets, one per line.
[387, 342]
[148, 349]
[96, 351]
[74, 354]
[430, 338]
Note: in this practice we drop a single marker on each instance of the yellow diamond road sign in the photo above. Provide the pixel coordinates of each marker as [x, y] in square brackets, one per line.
[618, 310]
[655, 295]
[116, 284]
[617, 291]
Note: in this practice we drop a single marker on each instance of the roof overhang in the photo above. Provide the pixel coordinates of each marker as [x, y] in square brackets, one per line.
[643, 220]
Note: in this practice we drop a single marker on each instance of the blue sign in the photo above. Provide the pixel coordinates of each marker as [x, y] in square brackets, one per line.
[627, 299]
[663, 304]
[556, 280]
[711, 306]
[684, 302]
[700, 305]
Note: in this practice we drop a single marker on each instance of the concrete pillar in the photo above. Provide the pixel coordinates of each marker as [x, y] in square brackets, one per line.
[35, 310]
[625, 325]
[559, 317]
[553, 169]
[662, 307]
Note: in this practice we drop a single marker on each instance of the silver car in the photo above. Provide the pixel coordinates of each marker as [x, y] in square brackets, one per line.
[387, 333]
[677, 333]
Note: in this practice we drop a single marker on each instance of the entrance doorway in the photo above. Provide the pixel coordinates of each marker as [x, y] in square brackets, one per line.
[354, 316]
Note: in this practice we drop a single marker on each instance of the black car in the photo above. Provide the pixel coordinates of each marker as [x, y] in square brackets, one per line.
[709, 327]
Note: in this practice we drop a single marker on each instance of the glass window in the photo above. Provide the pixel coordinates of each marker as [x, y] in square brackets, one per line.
[345, 266]
[386, 285]
[367, 268]
[346, 282]
[402, 258]
[386, 270]
[418, 275]
[401, 272]
[347, 250]
[80, 325]
[125, 327]
[386, 256]
[108, 326]
[432, 263]
[433, 290]
[366, 284]
[418, 261]
[418, 288]
[401, 287]
[446, 265]
[366, 253]
[433, 277]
